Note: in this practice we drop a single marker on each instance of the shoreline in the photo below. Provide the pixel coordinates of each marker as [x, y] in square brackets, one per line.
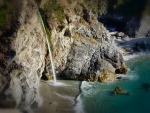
[63, 98]
[134, 55]
[127, 47]
[59, 98]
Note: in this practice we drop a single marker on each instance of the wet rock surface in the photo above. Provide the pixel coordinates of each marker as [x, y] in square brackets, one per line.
[119, 90]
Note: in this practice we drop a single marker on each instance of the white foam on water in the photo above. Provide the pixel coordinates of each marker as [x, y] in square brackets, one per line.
[57, 83]
[129, 77]
[136, 54]
[126, 58]
[85, 84]
[79, 106]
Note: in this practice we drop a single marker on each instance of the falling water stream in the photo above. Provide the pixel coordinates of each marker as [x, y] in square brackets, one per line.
[49, 49]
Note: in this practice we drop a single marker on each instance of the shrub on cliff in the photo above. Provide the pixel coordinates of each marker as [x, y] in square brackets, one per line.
[7, 12]
[55, 9]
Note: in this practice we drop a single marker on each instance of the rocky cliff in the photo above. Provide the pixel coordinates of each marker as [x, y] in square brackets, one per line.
[23, 60]
[82, 50]
[83, 47]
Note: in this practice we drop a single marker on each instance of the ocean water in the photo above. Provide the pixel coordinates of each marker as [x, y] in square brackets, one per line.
[98, 98]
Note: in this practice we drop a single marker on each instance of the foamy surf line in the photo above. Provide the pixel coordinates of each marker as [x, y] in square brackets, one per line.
[134, 55]
[79, 104]
[129, 77]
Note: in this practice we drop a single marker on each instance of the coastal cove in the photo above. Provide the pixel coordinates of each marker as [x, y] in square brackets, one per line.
[74, 56]
[98, 98]
[69, 96]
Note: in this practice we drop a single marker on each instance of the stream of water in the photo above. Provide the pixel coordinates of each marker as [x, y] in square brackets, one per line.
[49, 49]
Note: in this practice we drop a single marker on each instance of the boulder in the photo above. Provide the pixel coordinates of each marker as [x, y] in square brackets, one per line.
[119, 77]
[129, 50]
[119, 90]
[125, 37]
[146, 86]
[120, 34]
[142, 46]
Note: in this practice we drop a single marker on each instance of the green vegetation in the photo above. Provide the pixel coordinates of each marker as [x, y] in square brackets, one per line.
[56, 9]
[77, 11]
[49, 35]
[97, 6]
[47, 28]
[7, 12]
[49, 77]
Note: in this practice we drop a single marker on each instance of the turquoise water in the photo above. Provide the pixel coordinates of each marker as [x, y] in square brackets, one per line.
[97, 97]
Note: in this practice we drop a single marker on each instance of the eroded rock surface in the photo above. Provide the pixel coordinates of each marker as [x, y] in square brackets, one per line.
[93, 56]
[25, 61]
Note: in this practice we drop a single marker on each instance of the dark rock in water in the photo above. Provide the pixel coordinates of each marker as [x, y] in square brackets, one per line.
[146, 86]
[119, 90]
[142, 46]
[120, 77]
[129, 50]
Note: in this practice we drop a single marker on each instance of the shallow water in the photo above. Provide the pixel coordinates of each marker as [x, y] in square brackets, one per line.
[97, 97]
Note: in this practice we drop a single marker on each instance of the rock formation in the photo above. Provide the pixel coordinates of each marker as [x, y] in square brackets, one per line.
[119, 90]
[93, 55]
[82, 50]
[24, 60]
[83, 47]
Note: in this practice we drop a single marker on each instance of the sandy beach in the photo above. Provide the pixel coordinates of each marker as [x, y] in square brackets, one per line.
[58, 98]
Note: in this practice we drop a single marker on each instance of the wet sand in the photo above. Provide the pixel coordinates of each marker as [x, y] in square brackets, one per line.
[9, 111]
[59, 98]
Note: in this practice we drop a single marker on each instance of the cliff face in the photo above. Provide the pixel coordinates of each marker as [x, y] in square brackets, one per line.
[93, 55]
[23, 69]
[83, 47]
[82, 50]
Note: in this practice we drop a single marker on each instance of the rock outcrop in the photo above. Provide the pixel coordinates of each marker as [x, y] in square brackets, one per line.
[83, 48]
[22, 70]
[93, 55]
[119, 90]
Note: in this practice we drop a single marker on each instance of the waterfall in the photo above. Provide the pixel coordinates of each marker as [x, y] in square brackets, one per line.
[49, 49]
